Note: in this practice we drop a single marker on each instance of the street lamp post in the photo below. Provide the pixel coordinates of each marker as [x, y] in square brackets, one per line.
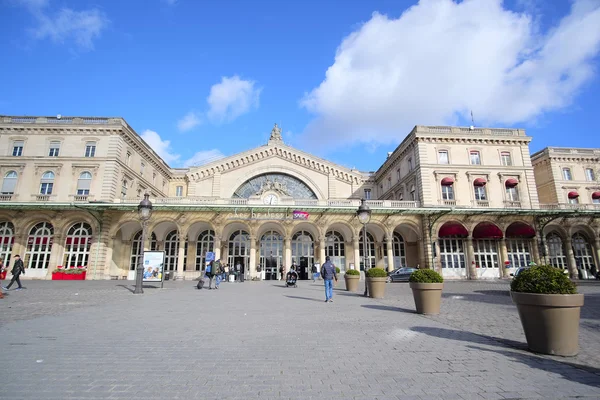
[144, 212]
[364, 216]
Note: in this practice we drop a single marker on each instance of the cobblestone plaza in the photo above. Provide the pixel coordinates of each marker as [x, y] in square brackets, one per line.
[96, 340]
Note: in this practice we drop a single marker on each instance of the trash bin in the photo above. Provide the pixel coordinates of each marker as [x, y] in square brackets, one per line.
[167, 275]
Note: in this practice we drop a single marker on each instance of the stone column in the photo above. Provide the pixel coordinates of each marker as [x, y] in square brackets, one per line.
[356, 253]
[471, 259]
[19, 247]
[180, 258]
[217, 248]
[535, 250]
[597, 254]
[571, 264]
[321, 250]
[191, 256]
[288, 254]
[252, 266]
[107, 259]
[421, 252]
[390, 254]
[503, 257]
[58, 249]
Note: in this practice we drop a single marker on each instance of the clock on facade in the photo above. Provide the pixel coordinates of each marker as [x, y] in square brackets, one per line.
[270, 199]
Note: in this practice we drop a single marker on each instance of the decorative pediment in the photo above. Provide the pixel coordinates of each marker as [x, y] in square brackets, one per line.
[278, 151]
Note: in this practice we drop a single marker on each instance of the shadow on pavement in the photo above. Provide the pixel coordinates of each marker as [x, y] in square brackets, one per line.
[305, 298]
[577, 373]
[131, 288]
[389, 308]
[470, 337]
[503, 293]
[479, 298]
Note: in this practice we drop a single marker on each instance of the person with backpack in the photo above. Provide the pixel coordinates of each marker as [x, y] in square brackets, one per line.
[17, 269]
[218, 273]
[328, 274]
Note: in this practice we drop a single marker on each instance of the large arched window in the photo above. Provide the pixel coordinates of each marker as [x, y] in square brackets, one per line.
[9, 183]
[239, 249]
[84, 183]
[335, 248]
[303, 248]
[371, 262]
[556, 251]
[7, 240]
[398, 249]
[271, 253]
[583, 252]
[136, 245]
[47, 183]
[77, 245]
[39, 246]
[204, 244]
[171, 249]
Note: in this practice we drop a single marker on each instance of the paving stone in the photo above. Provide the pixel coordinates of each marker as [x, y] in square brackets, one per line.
[96, 340]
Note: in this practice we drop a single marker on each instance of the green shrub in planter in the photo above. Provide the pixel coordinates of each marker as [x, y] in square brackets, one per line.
[352, 272]
[543, 279]
[425, 276]
[376, 273]
[337, 270]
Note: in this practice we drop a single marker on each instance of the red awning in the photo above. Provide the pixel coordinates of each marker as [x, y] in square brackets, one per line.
[479, 182]
[487, 230]
[573, 195]
[520, 229]
[596, 195]
[453, 229]
[511, 182]
[447, 181]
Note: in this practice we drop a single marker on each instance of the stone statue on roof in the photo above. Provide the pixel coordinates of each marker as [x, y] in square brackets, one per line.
[276, 134]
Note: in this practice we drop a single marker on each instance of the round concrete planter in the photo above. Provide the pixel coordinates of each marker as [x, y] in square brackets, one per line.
[428, 297]
[352, 282]
[376, 287]
[550, 321]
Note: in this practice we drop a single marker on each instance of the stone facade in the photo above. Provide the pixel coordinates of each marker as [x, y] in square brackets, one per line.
[461, 200]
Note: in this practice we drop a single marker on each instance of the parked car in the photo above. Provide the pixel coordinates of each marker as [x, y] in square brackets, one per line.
[400, 274]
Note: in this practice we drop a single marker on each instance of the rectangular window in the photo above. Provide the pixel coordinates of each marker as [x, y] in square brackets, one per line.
[83, 192]
[154, 179]
[447, 192]
[367, 194]
[506, 158]
[124, 188]
[443, 157]
[474, 157]
[589, 174]
[574, 200]
[18, 148]
[596, 201]
[90, 149]
[480, 193]
[413, 195]
[512, 194]
[179, 191]
[46, 188]
[398, 174]
[54, 149]
[128, 161]
[142, 166]
[410, 165]
[567, 174]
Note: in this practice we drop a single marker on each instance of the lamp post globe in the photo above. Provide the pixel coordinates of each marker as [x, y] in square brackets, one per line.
[364, 216]
[144, 213]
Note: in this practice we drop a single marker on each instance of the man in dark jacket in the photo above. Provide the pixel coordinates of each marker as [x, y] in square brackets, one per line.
[328, 275]
[17, 269]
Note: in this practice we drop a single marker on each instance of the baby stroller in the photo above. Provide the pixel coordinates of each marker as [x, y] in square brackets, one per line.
[291, 278]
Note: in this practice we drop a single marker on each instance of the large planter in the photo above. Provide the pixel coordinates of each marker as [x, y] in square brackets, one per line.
[376, 287]
[58, 276]
[428, 297]
[352, 282]
[550, 321]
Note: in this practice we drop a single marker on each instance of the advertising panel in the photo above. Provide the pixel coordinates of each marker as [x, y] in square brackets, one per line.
[153, 266]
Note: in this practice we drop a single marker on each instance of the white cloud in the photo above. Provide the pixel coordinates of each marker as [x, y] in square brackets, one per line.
[440, 59]
[161, 147]
[203, 157]
[231, 98]
[66, 24]
[189, 121]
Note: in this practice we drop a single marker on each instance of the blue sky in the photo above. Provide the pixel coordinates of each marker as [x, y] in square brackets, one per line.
[347, 80]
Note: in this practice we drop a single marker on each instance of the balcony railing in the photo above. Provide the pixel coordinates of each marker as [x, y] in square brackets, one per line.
[6, 197]
[569, 206]
[481, 203]
[81, 198]
[43, 197]
[449, 203]
[512, 204]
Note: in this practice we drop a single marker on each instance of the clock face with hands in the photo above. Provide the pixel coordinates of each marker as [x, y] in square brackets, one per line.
[270, 199]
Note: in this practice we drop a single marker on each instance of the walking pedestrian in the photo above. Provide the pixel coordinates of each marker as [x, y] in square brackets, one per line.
[210, 273]
[314, 272]
[2, 274]
[328, 274]
[218, 273]
[17, 269]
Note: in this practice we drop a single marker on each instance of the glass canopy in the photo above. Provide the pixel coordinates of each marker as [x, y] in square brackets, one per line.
[281, 183]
